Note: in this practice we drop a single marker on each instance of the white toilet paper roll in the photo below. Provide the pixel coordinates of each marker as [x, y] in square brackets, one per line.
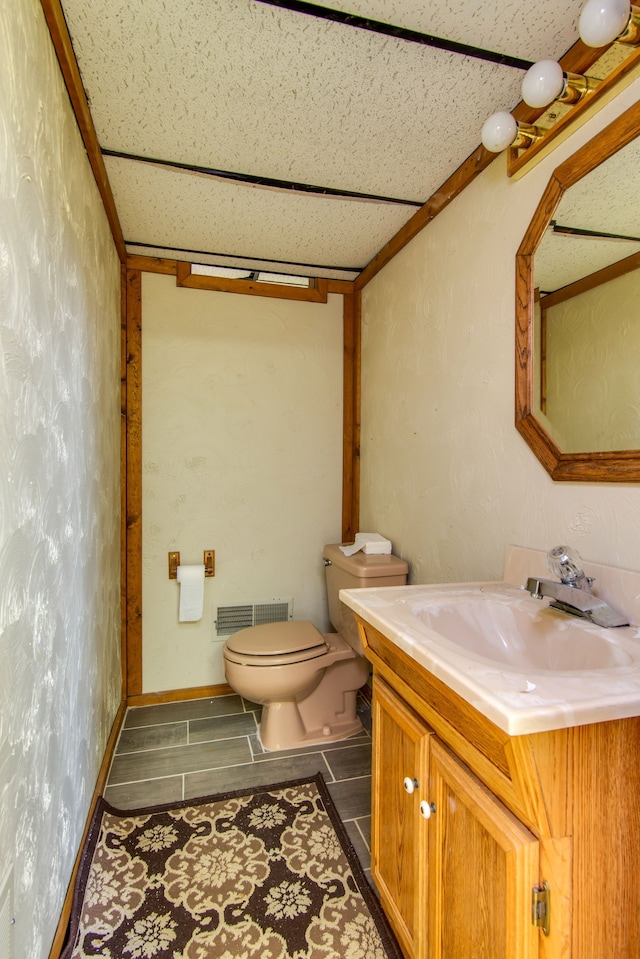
[191, 580]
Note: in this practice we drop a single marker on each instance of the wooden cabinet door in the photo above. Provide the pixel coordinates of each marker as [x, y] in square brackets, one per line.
[399, 835]
[483, 865]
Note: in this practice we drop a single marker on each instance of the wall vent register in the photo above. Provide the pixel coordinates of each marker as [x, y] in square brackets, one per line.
[230, 619]
[258, 276]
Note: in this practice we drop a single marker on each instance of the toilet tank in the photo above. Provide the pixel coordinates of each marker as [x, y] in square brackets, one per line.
[351, 572]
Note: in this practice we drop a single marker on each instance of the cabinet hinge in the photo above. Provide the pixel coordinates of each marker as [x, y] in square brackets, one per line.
[541, 907]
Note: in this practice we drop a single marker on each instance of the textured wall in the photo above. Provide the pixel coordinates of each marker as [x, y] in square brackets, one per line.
[242, 453]
[445, 475]
[59, 478]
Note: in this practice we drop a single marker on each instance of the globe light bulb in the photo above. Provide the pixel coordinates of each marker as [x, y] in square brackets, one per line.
[499, 132]
[543, 83]
[602, 21]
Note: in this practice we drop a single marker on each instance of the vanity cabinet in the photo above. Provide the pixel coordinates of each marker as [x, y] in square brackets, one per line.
[508, 817]
[452, 865]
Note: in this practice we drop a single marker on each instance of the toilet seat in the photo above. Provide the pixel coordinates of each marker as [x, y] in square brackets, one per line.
[276, 644]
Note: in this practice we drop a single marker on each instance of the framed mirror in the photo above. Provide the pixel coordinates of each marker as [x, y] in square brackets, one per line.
[578, 313]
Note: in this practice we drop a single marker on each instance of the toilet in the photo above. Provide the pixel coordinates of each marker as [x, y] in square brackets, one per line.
[307, 681]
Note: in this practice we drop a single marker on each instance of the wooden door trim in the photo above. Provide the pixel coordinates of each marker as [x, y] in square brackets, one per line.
[133, 474]
[351, 417]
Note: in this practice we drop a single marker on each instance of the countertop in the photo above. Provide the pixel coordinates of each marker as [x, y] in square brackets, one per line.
[519, 700]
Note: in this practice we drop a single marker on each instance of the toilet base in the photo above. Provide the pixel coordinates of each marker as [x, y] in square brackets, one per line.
[326, 715]
[282, 727]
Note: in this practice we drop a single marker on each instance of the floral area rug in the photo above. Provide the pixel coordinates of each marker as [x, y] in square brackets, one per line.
[265, 874]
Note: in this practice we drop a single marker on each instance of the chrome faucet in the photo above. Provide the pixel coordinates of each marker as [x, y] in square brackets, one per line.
[573, 593]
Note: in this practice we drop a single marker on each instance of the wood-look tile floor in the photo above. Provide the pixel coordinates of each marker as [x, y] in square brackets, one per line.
[188, 749]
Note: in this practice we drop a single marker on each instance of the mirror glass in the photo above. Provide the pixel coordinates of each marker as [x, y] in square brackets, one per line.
[587, 337]
[578, 313]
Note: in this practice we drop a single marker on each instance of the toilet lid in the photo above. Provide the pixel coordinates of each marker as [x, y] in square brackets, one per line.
[278, 639]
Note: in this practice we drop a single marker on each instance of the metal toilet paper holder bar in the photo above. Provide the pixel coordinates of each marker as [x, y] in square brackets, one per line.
[209, 560]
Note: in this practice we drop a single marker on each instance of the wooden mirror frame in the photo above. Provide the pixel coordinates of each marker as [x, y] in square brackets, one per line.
[620, 466]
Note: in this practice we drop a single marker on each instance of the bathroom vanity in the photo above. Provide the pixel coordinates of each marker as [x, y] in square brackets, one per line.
[505, 816]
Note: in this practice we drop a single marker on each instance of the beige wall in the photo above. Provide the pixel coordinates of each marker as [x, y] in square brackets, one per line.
[445, 475]
[60, 680]
[242, 453]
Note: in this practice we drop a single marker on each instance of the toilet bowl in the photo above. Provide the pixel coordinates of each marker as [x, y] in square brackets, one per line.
[307, 681]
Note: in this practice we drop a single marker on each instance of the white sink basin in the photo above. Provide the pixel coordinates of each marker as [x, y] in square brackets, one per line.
[530, 635]
[524, 665]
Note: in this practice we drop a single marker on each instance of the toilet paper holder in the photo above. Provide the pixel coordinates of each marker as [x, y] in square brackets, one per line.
[209, 560]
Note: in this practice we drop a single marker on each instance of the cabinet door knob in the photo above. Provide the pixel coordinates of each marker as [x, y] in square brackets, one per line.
[410, 784]
[427, 809]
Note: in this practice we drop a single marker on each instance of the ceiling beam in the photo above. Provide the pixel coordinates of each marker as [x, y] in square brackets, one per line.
[400, 33]
[256, 180]
[275, 266]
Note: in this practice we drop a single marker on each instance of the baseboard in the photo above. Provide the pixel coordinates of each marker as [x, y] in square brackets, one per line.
[179, 695]
[196, 692]
[63, 923]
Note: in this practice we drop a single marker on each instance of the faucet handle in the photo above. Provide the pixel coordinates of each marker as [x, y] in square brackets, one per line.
[565, 563]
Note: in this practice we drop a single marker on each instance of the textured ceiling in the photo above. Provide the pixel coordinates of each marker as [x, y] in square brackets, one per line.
[246, 89]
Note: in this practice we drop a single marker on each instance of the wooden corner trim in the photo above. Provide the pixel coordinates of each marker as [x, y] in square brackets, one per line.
[479, 160]
[134, 482]
[69, 66]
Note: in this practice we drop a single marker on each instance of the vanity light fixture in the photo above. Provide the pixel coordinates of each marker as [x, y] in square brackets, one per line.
[546, 81]
[602, 23]
[502, 130]
[605, 21]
